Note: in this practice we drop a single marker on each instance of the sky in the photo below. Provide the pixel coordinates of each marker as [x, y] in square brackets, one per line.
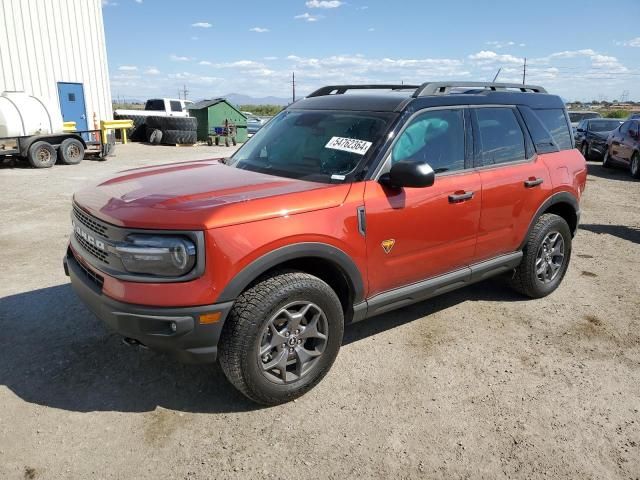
[581, 50]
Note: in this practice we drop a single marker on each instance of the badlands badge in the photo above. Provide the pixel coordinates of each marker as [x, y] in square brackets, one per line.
[387, 245]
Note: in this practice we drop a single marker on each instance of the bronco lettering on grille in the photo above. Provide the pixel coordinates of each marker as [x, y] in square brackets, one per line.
[88, 237]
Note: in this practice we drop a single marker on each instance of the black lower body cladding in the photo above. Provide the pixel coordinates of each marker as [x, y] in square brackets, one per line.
[176, 331]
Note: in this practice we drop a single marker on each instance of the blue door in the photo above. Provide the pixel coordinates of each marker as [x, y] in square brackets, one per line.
[72, 104]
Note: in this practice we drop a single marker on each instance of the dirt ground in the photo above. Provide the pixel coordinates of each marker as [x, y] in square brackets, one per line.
[478, 383]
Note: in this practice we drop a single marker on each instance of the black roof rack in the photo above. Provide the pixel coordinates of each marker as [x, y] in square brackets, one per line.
[341, 89]
[444, 88]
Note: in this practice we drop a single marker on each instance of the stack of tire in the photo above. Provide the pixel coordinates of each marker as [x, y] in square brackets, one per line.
[137, 133]
[172, 130]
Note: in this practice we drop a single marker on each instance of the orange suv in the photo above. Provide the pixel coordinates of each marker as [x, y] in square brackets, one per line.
[354, 201]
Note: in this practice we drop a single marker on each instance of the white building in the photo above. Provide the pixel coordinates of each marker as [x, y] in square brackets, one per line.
[55, 49]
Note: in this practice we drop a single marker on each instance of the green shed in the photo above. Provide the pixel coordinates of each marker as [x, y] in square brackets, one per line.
[213, 113]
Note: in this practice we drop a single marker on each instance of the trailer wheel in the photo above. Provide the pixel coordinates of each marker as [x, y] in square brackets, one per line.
[71, 151]
[42, 155]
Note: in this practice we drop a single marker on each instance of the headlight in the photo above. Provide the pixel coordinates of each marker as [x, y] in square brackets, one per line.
[160, 255]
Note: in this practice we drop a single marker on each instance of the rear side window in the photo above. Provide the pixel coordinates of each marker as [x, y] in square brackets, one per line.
[556, 123]
[500, 137]
[176, 106]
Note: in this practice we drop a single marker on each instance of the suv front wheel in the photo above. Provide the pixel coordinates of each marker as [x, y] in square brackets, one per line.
[281, 337]
[545, 257]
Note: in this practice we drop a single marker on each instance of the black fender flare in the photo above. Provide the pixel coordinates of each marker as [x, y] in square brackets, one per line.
[560, 197]
[287, 253]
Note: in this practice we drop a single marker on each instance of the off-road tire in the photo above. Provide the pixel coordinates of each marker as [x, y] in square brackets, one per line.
[71, 151]
[42, 155]
[137, 133]
[154, 136]
[242, 333]
[634, 165]
[606, 159]
[525, 279]
[173, 123]
[179, 137]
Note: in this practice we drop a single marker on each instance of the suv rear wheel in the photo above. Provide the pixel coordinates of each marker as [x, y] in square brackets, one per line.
[546, 257]
[281, 337]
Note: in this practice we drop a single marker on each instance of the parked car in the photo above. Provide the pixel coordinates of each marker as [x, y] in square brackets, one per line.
[634, 116]
[254, 124]
[591, 136]
[159, 107]
[576, 116]
[342, 208]
[623, 147]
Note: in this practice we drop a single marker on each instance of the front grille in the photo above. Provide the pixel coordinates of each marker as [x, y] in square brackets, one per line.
[93, 277]
[91, 223]
[96, 252]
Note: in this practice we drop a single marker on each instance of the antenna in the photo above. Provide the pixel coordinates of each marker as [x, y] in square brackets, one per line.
[293, 85]
[498, 73]
[524, 71]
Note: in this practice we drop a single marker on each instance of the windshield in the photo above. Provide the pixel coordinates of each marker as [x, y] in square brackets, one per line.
[321, 146]
[578, 116]
[603, 125]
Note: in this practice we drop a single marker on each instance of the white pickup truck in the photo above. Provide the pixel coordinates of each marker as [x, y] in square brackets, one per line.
[159, 107]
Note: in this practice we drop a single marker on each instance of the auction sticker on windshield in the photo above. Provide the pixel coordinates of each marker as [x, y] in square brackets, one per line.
[352, 145]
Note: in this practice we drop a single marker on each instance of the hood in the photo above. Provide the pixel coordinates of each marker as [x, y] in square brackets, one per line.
[601, 135]
[201, 195]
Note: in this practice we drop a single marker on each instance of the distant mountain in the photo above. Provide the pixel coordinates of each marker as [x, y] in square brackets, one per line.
[240, 99]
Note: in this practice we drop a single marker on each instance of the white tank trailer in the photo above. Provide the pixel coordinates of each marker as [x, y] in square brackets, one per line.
[32, 129]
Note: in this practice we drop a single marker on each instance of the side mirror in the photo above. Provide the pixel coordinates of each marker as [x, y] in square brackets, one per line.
[581, 130]
[409, 173]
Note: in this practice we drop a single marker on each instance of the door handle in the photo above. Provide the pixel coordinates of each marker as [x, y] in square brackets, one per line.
[460, 197]
[534, 182]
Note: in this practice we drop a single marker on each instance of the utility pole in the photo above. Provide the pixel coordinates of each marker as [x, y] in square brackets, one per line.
[293, 85]
[524, 71]
[184, 92]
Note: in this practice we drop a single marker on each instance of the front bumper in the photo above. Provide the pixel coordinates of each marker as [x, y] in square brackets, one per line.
[176, 331]
[598, 148]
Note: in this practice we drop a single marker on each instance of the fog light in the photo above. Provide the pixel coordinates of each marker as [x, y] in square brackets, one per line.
[174, 326]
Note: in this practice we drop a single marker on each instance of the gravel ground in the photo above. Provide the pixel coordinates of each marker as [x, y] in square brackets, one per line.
[478, 383]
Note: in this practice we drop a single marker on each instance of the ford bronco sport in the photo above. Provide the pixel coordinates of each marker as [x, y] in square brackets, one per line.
[346, 205]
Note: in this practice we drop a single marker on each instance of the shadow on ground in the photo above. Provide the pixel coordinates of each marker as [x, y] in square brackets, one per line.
[54, 352]
[617, 172]
[631, 234]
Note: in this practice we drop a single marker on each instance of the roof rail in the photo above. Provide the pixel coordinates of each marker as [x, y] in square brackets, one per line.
[341, 89]
[444, 88]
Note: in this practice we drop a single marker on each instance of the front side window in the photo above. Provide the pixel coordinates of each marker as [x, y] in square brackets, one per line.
[176, 106]
[436, 137]
[556, 123]
[315, 145]
[624, 128]
[500, 137]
